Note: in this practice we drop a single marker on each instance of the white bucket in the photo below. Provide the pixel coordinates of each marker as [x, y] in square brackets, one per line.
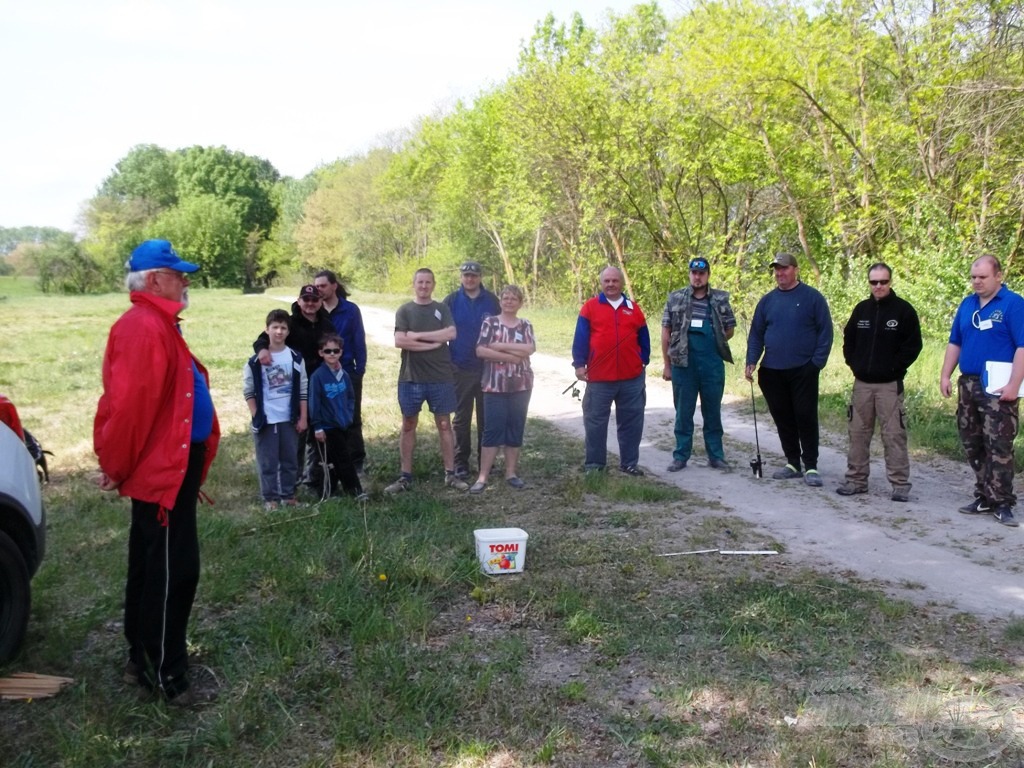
[501, 550]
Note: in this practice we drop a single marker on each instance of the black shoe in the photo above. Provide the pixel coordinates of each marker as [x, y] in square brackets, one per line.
[719, 464]
[676, 465]
[1004, 515]
[977, 507]
[900, 496]
[849, 490]
[632, 470]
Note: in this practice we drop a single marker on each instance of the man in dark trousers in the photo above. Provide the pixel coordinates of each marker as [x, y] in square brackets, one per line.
[348, 322]
[611, 349]
[308, 323]
[792, 328]
[155, 435]
[469, 305]
[880, 342]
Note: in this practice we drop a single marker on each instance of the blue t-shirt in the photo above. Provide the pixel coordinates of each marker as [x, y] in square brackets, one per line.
[993, 332]
[202, 408]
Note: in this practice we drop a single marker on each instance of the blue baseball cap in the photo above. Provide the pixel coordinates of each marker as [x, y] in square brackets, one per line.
[158, 254]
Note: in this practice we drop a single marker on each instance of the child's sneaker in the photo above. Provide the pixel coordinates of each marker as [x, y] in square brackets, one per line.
[400, 485]
[451, 480]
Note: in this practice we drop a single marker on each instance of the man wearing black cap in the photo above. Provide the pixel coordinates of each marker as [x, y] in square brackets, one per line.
[309, 322]
[792, 328]
[155, 435]
[696, 326]
[469, 305]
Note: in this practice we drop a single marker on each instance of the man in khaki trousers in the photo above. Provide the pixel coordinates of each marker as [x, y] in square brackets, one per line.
[880, 342]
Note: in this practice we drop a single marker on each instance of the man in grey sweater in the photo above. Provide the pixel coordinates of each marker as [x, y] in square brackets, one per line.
[792, 329]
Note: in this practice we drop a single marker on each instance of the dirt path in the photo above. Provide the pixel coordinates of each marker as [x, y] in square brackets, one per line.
[923, 551]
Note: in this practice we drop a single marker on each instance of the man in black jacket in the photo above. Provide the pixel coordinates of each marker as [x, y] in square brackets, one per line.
[309, 322]
[880, 342]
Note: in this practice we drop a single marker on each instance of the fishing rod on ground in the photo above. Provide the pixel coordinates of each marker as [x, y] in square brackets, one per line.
[756, 465]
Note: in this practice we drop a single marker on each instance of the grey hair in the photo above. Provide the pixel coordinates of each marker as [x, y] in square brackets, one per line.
[514, 290]
[136, 281]
[606, 268]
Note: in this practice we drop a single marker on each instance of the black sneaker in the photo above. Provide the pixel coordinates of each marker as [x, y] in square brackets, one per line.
[676, 465]
[719, 464]
[977, 507]
[1005, 516]
[632, 470]
[847, 489]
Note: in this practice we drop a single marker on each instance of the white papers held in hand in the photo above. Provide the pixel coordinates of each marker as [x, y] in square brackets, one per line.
[997, 375]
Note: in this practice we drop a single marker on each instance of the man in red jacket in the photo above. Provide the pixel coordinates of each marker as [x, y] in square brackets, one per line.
[155, 435]
[610, 350]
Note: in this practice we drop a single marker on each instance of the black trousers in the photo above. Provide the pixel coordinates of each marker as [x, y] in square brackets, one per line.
[792, 397]
[341, 467]
[163, 573]
[356, 445]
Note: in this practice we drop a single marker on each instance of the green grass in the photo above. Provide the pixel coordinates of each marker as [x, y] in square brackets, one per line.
[345, 635]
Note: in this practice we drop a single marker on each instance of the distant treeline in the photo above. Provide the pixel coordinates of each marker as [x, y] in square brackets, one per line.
[856, 132]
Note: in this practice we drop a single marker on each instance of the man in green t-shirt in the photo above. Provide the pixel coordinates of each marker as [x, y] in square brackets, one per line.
[423, 328]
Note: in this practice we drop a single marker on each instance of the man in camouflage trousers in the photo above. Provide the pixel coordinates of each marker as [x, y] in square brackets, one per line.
[988, 327]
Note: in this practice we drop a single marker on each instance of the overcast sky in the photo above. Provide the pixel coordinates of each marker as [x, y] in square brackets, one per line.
[297, 82]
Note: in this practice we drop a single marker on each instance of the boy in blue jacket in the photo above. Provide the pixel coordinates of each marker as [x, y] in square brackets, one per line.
[276, 396]
[331, 410]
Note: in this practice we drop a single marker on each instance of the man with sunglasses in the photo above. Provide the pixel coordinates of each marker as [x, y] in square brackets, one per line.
[881, 340]
[696, 326]
[792, 329]
[155, 435]
[988, 328]
[308, 324]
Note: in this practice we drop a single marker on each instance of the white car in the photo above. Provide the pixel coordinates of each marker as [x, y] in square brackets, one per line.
[22, 535]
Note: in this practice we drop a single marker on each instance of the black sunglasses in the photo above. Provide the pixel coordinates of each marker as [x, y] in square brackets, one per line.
[334, 351]
[878, 282]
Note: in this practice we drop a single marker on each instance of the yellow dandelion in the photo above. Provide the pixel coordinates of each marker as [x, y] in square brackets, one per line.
[383, 577]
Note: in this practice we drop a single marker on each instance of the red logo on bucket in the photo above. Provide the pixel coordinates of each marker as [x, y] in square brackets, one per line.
[504, 547]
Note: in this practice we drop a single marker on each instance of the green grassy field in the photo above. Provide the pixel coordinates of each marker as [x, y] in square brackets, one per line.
[348, 635]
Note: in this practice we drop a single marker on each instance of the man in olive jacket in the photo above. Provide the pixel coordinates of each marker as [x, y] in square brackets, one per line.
[880, 342]
[696, 326]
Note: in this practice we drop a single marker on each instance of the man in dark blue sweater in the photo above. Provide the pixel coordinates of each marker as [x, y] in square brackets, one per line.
[469, 305]
[792, 328]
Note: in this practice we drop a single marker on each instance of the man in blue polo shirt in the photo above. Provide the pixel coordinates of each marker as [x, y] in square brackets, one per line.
[988, 327]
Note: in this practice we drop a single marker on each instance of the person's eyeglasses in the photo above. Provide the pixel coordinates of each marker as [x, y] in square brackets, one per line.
[331, 351]
[878, 282]
[179, 275]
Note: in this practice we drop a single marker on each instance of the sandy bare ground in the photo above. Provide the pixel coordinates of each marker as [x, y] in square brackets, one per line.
[924, 550]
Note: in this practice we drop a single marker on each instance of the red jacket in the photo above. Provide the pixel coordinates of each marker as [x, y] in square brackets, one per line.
[143, 426]
[614, 344]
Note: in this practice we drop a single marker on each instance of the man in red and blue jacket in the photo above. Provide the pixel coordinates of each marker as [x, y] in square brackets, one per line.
[610, 350]
[155, 435]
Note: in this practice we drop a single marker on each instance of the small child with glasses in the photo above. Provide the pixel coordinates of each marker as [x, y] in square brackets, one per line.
[331, 408]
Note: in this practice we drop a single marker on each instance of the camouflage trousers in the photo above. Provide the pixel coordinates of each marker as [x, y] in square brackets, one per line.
[987, 428]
